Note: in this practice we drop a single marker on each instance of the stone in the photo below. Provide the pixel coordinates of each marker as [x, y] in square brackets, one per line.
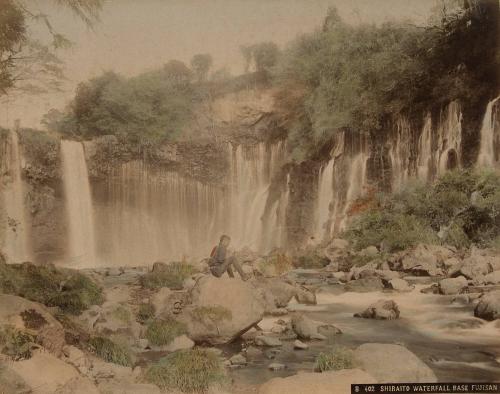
[380, 310]
[425, 260]
[400, 285]
[488, 307]
[253, 352]
[472, 268]
[35, 318]
[160, 300]
[77, 358]
[493, 278]
[279, 312]
[364, 285]
[307, 328]
[392, 364]
[336, 248]
[179, 343]
[276, 367]
[305, 296]
[238, 359]
[299, 345]
[237, 308]
[453, 286]
[338, 382]
[266, 340]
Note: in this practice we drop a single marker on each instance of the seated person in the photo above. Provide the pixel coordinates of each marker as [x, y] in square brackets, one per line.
[220, 262]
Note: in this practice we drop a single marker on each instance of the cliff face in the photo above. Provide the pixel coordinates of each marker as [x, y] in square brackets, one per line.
[230, 174]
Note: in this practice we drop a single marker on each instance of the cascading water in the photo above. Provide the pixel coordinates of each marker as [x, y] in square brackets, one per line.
[251, 171]
[79, 210]
[449, 135]
[425, 154]
[147, 214]
[325, 198]
[16, 241]
[486, 156]
[400, 153]
[356, 183]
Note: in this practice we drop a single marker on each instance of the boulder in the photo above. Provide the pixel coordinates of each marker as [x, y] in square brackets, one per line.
[473, 268]
[380, 310]
[338, 382]
[424, 260]
[222, 309]
[493, 278]
[400, 285]
[57, 377]
[488, 307]
[307, 328]
[392, 364]
[34, 318]
[370, 251]
[179, 343]
[453, 286]
[238, 359]
[266, 340]
[364, 285]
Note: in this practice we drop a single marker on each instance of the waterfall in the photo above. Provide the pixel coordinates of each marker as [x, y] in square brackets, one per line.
[16, 240]
[449, 133]
[251, 171]
[324, 200]
[79, 210]
[486, 156]
[148, 214]
[425, 154]
[400, 153]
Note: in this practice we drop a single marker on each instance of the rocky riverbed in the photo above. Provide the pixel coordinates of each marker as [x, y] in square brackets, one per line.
[426, 314]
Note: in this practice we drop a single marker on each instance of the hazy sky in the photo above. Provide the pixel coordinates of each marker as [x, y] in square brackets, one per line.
[137, 35]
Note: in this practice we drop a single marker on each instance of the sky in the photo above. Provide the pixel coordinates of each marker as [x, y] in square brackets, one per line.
[135, 36]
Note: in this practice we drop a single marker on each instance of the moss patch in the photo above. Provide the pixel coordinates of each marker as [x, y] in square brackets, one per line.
[15, 343]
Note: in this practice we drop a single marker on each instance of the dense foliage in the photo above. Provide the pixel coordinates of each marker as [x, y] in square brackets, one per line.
[460, 208]
[359, 77]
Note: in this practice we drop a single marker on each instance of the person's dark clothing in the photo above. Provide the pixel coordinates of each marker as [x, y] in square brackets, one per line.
[219, 263]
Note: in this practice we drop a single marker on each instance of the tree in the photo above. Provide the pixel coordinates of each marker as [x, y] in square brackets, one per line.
[177, 72]
[201, 64]
[29, 64]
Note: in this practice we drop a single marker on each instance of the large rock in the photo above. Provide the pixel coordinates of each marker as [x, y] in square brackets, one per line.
[277, 293]
[493, 278]
[307, 328]
[473, 268]
[400, 285]
[380, 310]
[222, 309]
[453, 286]
[338, 382]
[46, 374]
[34, 318]
[488, 307]
[425, 260]
[392, 364]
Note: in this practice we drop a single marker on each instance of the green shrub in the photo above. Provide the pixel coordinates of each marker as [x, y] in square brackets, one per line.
[145, 313]
[110, 351]
[172, 276]
[334, 360]
[163, 332]
[71, 291]
[189, 371]
[15, 343]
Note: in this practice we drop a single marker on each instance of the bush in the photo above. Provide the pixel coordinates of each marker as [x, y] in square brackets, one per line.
[189, 371]
[460, 208]
[110, 351]
[71, 291]
[145, 313]
[163, 332]
[334, 360]
[15, 343]
[172, 276]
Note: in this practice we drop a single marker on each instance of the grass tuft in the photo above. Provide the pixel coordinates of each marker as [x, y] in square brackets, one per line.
[109, 351]
[189, 371]
[163, 332]
[172, 276]
[336, 359]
